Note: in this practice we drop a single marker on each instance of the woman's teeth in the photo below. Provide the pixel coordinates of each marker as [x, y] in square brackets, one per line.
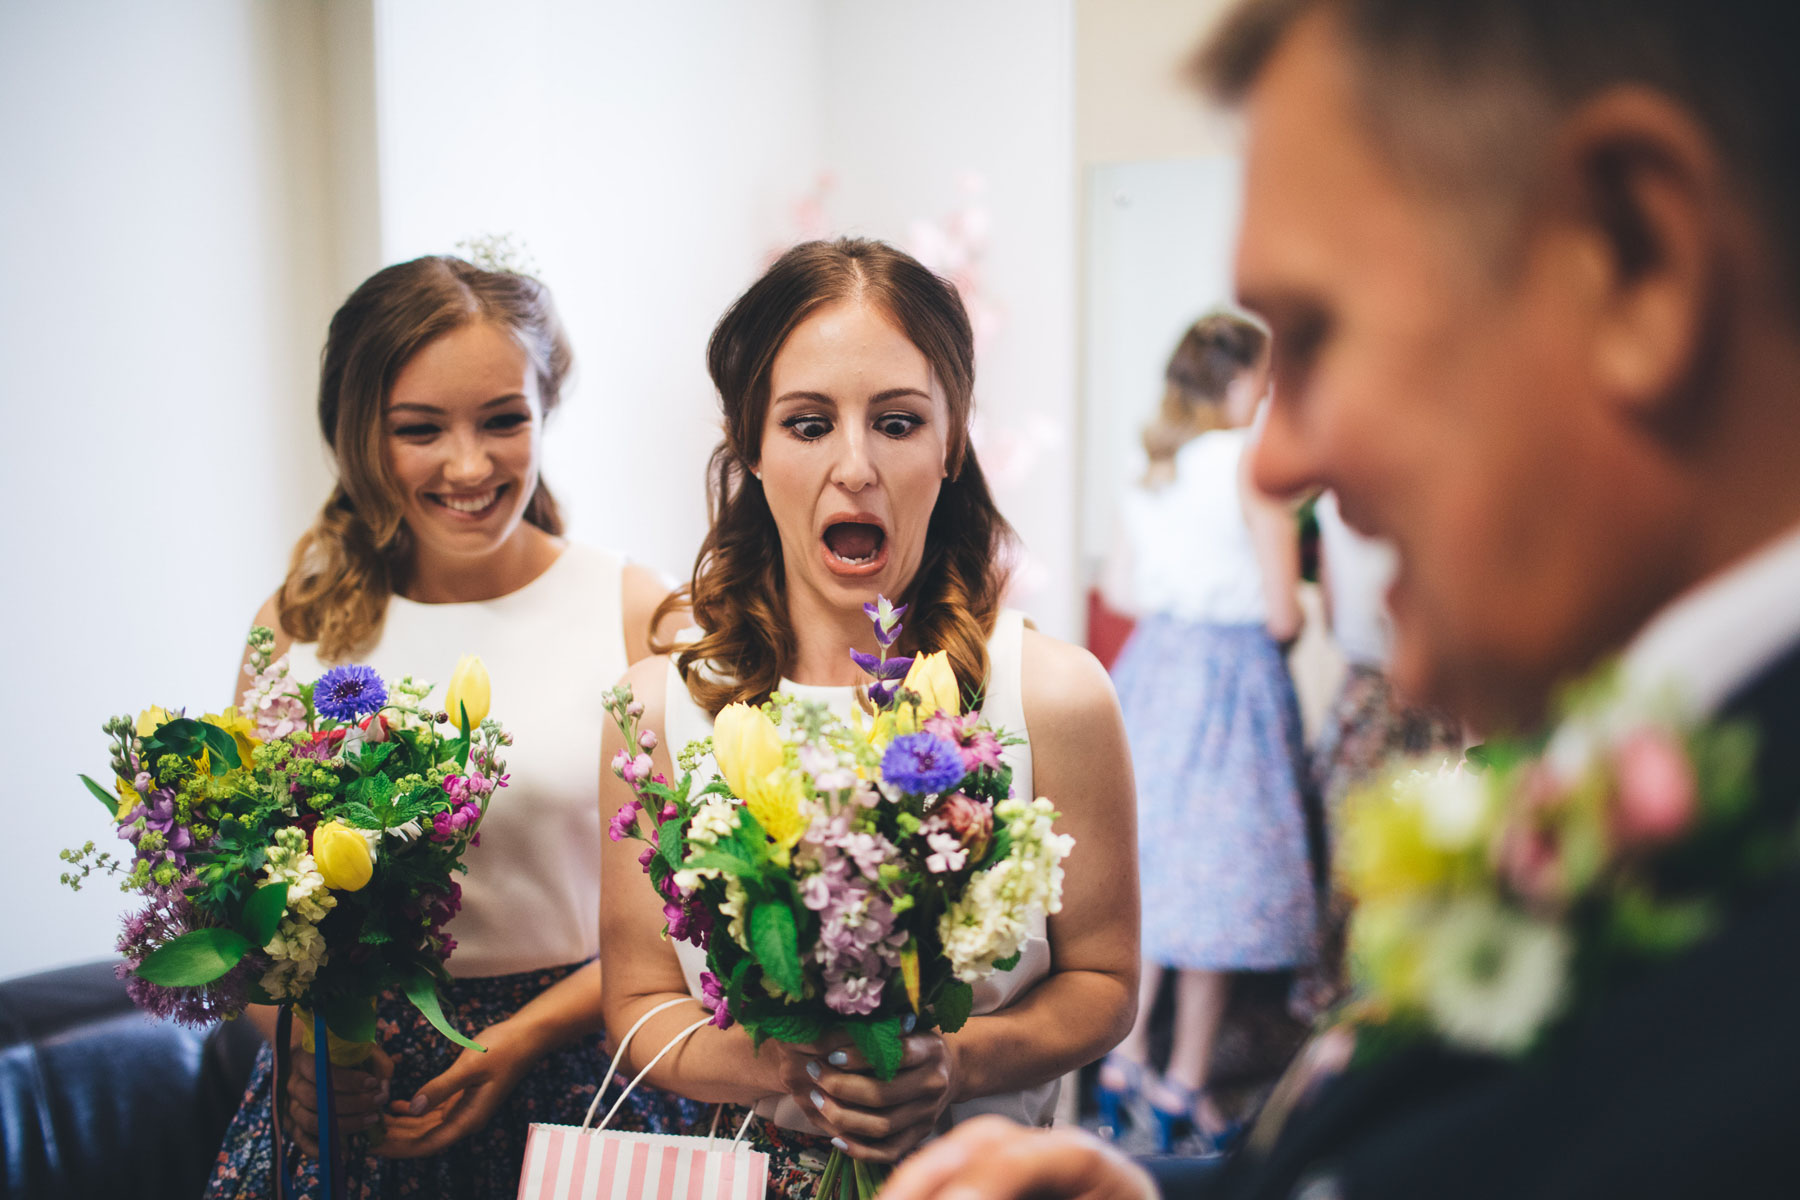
[470, 504]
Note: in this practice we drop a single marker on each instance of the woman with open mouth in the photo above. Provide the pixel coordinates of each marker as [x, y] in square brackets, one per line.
[846, 378]
[441, 539]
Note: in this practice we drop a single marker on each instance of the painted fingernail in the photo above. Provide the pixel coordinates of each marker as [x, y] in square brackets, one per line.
[837, 1058]
[841, 1144]
[420, 1103]
[909, 1023]
[818, 1098]
[814, 1069]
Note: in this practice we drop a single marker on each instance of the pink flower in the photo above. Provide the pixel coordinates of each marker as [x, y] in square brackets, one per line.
[971, 820]
[624, 822]
[1657, 796]
[980, 748]
[1529, 854]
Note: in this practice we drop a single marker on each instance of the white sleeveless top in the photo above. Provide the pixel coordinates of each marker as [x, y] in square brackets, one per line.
[1359, 570]
[531, 898]
[1004, 708]
[1190, 550]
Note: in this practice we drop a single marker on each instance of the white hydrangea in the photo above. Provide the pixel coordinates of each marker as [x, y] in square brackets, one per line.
[994, 915]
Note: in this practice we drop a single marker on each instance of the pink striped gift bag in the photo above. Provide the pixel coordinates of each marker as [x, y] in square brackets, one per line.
[569, 1162]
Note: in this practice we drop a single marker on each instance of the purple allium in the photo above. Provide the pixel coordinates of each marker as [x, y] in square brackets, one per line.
[348, 692]
[169, 915]
[922, 764]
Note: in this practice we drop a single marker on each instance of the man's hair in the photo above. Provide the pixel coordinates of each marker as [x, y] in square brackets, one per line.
[1463, 92]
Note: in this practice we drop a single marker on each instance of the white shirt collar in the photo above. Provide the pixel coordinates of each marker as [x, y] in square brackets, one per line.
[1715, 637]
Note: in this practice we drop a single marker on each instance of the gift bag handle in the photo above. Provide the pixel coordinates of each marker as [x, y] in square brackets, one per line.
[612, 1069]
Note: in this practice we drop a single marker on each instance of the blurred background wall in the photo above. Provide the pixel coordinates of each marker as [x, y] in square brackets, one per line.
[188, 189]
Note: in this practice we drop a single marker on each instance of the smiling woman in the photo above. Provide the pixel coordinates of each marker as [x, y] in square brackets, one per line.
[441, 539]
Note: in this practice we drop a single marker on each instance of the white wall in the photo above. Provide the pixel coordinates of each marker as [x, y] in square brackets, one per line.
[161, 289]
[920, 95]
[646, 155]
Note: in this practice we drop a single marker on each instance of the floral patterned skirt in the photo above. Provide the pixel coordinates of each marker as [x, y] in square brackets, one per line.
[484, 1165]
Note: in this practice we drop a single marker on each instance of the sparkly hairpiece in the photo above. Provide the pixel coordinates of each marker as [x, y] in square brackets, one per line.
[498, 252]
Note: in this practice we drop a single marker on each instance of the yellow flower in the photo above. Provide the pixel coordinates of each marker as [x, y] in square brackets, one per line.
[343, 857]
[747, 747]
[470, 690]
[128, 796]
[153, 718]
[775, 800]
[241, 728]
[932, 677]
[1388, 851]
[1386, 942]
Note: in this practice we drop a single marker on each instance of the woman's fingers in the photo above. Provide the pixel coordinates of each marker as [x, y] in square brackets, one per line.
[992, 1159]
[874, 1129]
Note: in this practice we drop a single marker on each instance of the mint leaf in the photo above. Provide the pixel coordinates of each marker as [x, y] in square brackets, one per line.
[955, 1001]
[776, 944]
[792, 1027]
[882, 1044]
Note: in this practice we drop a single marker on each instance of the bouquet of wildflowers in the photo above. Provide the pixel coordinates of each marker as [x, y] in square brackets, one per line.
[845, 875]
[302, 850]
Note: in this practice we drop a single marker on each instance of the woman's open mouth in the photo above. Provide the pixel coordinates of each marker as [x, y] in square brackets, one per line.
[854, 547]
[469, 506]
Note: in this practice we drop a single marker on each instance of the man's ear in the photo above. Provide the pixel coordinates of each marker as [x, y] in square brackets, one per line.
[1647, 186]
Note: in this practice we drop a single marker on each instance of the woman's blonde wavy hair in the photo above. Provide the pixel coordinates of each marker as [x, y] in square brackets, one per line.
[1213, 352]
[738, 589]
[358, 551]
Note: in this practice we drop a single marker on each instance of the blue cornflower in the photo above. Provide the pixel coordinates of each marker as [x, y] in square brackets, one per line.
[922, 764]
[348, 692]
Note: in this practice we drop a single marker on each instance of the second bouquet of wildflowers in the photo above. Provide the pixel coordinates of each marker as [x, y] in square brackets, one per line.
[845, 875]
[302, 851]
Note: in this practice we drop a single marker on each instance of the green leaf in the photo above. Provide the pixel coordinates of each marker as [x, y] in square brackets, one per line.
[262, 912]
[955, 1001]
[719, 860]
[776, 942]
[351, 1017]
[373, 935]
[222, 751]
[882, 1043]
[1009, 962]
[670, 839]
[194, 959]
[1001, 847]
[792, 1027]
[359, 815]
[421, 989]
[105, 797]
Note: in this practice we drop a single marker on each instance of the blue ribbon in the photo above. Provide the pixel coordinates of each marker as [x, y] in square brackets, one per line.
[322, 1063]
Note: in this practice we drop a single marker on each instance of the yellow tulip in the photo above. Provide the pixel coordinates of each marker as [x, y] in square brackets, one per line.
[932, 677]
[470, 690]
[747, 747]
[343, 857]
[128, 796]
[775, 801]
[341, 1052]
[152, 719]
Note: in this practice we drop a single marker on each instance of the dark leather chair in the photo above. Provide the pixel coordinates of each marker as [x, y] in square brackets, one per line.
[97, 1099]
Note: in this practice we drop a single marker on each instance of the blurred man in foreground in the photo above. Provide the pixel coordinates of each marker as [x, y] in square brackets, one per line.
[1533, 271]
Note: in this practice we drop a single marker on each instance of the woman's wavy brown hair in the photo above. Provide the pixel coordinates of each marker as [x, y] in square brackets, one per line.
[738, 590]
[358, 552]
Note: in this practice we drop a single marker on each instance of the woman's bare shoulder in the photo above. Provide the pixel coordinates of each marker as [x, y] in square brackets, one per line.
[1063, 684]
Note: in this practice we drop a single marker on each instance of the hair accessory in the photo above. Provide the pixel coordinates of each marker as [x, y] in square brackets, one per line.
[498, 252]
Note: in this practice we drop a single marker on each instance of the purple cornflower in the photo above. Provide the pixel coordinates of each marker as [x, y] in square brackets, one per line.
[922, 764]
[348, 692]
